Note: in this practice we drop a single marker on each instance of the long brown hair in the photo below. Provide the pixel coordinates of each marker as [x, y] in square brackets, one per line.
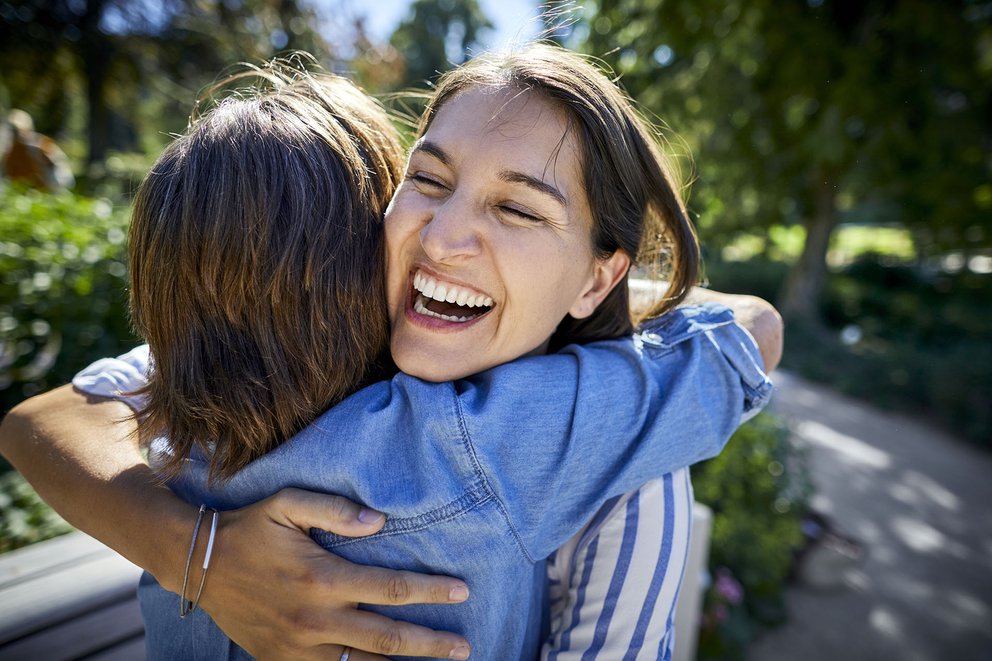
[635, 201]
[256, 264]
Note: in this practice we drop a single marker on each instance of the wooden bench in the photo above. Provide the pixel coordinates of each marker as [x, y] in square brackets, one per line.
[69, 598]
[72, 598]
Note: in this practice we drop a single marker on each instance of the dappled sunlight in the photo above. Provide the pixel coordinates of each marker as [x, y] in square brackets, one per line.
[853, 450]
[913, 588]
[966, 607]
[931, 489]
[885, 622]
[918, 503]
[924, 538]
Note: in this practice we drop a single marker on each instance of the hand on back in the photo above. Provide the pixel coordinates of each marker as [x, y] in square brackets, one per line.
[280, 595]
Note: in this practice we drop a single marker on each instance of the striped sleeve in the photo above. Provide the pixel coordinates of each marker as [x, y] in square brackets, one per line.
[614, 585]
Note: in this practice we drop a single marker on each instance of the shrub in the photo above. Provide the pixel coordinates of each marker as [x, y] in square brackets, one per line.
[62, 288]
[758, 489]
[24, 517]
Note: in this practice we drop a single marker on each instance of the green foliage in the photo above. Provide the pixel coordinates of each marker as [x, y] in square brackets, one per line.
[887, 123]
[906, 337]
[910, 339]
[436, 35]
[24, 517]
[115, 76]
[62, 288]
[758, 489]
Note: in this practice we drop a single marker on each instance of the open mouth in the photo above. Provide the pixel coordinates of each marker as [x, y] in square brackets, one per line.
[446, 301]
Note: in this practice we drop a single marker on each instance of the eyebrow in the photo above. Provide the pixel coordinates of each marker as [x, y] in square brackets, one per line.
[433, 149]
[509, 176]
[514, 177]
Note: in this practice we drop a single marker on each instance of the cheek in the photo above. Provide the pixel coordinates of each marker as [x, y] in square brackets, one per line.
[547, 277]
[403, 220]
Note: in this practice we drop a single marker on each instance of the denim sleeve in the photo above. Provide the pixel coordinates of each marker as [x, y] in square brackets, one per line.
[117, 378]
[559, 435]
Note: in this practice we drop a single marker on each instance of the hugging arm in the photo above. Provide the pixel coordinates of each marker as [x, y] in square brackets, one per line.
[614, 585]
[82, 455]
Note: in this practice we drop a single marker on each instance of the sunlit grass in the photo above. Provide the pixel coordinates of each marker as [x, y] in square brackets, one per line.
[848, 242]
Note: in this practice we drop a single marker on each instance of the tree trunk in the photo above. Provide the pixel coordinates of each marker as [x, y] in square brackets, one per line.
[96, 52]
[803, 290]
[98, 129]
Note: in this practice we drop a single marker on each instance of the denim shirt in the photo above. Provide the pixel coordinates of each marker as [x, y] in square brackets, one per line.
[483, 478]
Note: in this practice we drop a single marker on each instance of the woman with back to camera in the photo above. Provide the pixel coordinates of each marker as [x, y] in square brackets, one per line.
[475, 254]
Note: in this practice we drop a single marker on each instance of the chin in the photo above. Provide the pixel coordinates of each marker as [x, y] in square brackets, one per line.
[425, 368]
[430, 368]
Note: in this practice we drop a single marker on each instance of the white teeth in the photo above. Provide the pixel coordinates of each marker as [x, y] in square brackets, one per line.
[422, 309]
[448, 293]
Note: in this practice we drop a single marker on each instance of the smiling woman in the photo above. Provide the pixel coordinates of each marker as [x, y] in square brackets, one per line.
[493, 209]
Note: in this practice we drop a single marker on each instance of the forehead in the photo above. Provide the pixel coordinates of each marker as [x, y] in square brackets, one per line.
[523, 129]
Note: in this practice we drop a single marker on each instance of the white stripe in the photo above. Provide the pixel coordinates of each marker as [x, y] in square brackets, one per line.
[609, 539]
[643, 563]
[664, 612]
[569, 564]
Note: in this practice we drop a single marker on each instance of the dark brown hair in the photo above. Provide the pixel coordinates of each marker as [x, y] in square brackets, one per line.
[256, 264]
[635, 202]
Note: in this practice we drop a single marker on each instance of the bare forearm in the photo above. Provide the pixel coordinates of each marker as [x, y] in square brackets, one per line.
[756, 315]
[82, 457]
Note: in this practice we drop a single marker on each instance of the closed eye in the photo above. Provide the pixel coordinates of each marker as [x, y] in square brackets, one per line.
[520, 213]
[422, 179]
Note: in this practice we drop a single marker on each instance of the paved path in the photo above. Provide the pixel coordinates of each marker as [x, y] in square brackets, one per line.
[921, 502]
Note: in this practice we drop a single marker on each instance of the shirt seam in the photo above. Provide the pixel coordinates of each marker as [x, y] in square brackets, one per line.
[456, 508]
[484, 479]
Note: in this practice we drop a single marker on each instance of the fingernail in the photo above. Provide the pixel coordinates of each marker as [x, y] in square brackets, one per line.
[460, 652]
[458, 593]
[370, 516]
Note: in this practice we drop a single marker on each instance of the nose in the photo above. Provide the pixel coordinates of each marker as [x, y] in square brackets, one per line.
[452, 233]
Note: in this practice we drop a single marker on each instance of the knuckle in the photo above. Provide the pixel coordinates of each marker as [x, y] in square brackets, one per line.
[388, 642]
[338, 508]
[397, 589]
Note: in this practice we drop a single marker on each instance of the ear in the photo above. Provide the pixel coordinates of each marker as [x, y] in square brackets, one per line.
[605, 276]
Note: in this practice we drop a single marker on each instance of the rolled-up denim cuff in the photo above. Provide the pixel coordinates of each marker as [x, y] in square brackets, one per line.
[117, 378]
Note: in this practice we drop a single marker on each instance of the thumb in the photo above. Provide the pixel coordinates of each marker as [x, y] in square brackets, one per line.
[308, 509]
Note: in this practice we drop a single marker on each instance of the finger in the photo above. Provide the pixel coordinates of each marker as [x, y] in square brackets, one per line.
[307, 509]
[391, 587]
[378, 634]
[334, 653]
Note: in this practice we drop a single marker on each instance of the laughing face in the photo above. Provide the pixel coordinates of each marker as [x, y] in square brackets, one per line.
[488, 237]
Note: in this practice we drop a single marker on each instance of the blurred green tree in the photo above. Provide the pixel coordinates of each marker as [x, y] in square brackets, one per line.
[810, 112]
[129, 57]
[437, 35]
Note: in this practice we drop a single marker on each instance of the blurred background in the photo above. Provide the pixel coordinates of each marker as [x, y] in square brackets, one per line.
[837, 158]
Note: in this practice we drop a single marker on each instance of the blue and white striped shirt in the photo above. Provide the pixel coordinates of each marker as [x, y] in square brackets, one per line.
[614, 585]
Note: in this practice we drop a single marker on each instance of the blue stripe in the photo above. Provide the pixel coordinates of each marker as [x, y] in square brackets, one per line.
[592, 530]
[580, 597]
[668, 531]
[668, 643]
[616, 583]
